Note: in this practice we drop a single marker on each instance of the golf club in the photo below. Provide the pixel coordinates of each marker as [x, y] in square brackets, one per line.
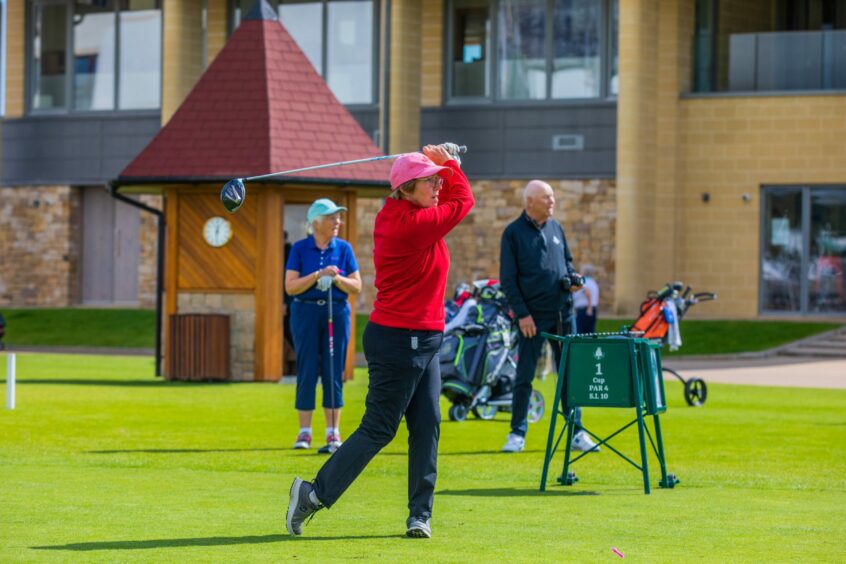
[233, 193]
[329, 446]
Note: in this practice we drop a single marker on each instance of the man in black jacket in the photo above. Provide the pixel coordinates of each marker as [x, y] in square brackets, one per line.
[537, 275]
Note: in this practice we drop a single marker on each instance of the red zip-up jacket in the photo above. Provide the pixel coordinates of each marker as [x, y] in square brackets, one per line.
[411, 256]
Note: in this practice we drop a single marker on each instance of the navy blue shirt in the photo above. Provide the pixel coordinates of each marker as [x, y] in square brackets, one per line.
[306, 257]
[533, 260]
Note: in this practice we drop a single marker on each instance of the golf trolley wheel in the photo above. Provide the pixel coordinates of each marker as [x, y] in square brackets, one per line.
[457, 412]
[536, 407]
[485, 412]
[695, 392]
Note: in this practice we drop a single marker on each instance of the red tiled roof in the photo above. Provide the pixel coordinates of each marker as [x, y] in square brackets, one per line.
[259, 108]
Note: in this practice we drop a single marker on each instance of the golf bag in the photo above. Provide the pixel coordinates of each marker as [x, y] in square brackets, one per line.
[660, 316]
[478, 355]
[663, 310]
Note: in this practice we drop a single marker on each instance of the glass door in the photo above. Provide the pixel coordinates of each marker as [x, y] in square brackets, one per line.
[828, 252]
[781, 262]
[803, 250]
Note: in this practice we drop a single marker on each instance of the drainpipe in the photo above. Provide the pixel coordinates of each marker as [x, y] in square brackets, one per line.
[113, 188]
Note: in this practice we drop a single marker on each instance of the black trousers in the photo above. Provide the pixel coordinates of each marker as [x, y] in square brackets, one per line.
[529, 352]
[405, 379]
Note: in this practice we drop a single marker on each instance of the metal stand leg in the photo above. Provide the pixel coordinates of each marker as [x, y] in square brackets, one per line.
[642, 439]
[549, 452]
[568, 478]
[667, 480]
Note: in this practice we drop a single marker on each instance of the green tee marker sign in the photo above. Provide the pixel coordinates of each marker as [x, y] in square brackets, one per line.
[600, 374]
[610, 370]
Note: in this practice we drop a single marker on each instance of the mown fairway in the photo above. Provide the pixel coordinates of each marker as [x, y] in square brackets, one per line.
[101, 461]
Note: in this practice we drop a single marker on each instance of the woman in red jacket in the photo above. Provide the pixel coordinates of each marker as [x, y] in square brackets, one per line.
[429, 196]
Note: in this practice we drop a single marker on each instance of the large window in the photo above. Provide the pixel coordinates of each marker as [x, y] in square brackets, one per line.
[337, 36]
[91, 55]
[532, 49]
[803, 262]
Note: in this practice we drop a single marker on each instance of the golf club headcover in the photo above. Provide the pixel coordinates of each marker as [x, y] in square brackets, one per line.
[232, 195]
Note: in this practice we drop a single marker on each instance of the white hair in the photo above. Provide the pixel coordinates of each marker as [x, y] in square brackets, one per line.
[531, 188]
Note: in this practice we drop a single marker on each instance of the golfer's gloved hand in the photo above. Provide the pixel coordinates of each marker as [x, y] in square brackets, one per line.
[452, 149]
[324, 283]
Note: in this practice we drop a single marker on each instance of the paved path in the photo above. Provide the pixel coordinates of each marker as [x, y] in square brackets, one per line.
[774, 371]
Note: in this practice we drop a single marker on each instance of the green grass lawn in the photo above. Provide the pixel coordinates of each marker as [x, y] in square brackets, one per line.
[135, 328]
[101, 462]
[81, 327]
[711, 337]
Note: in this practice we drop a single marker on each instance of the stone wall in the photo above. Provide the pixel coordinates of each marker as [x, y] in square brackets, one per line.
[241, 309]
[39, 246]
[586, 208]
[148, 241]
[366, 210]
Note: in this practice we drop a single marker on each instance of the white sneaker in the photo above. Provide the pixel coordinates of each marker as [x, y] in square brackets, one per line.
[583, 443]
[514, 443]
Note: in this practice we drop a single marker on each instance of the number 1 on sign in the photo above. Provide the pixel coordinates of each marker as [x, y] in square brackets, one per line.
[598, 369]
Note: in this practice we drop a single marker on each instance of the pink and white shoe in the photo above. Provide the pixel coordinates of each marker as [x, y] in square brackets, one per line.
[333, 441]
[303, 441]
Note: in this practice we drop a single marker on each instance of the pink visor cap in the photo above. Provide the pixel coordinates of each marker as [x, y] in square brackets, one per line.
[411, 166]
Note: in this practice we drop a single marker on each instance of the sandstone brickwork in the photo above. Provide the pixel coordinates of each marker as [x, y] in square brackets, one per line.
[241, 309]
[148, 241]
[586, 208]
[39, 246]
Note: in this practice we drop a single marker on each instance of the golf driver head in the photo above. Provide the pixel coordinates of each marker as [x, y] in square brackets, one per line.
[233, 194]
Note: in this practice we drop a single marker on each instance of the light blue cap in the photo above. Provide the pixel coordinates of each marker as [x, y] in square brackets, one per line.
[323, 206]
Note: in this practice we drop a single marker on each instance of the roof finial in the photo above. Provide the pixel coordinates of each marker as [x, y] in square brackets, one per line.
[261, 10]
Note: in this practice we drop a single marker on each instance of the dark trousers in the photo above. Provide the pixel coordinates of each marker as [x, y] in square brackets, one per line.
[310, 329]
[585, 323]
[405, 379]
[529, 352]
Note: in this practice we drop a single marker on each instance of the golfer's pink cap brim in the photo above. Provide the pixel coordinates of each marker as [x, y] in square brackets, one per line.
[414, 165]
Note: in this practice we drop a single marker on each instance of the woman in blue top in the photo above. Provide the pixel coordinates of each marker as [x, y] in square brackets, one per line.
[321, 255]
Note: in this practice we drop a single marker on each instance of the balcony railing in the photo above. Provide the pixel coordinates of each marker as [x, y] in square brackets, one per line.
[796, 60]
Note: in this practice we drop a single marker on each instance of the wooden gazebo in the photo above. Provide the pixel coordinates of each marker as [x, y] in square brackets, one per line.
[259, 108]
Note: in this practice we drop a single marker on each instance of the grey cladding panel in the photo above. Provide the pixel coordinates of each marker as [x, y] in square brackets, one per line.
[72, 149]
[516, 142]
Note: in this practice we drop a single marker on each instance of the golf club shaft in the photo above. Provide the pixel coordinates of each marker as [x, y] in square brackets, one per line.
[461, 149]
[331, 359]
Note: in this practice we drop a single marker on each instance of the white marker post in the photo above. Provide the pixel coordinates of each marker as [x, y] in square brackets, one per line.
[10, 381]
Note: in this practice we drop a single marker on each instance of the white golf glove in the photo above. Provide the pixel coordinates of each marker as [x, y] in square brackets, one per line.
[452, 149]
[324, 283]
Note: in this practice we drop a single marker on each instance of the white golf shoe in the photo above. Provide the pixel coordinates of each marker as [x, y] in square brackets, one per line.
[514, 443]
[583, 443]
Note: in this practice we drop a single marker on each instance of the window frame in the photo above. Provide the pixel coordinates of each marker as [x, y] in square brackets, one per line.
[324, 53]
[493, 98]
[70, 109]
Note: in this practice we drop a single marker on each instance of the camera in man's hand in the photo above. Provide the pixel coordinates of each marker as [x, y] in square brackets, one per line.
[570, 280]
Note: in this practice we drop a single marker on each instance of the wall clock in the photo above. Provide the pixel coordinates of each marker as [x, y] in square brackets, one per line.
[217, 231]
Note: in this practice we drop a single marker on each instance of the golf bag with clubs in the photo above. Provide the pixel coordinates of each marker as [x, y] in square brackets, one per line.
[479, 354]
[660, 318]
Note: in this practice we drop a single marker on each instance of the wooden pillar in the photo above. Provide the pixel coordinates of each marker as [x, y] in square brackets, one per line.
[269, 276]
[352, 237]
[171, 269]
